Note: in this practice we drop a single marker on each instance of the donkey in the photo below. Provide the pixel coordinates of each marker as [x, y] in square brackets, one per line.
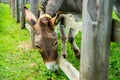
[50, 7]
[45, 37]
[74, 7]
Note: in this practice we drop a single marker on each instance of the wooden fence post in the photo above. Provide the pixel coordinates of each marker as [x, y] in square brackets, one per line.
[12, 8]
[34, 9]
[116, 31]
[22, 14]
[25, 1]
[3, 1]
[96, 36]
[17, 11]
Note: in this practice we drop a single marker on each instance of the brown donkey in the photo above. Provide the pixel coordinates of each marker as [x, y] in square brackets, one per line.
[45, 37]
[66, 7]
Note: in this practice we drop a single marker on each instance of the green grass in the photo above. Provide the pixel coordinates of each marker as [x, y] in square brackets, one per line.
[18, 61]
[114, 67]
[115, 16]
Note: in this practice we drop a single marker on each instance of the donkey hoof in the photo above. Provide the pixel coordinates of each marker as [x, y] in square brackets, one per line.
[64, 55]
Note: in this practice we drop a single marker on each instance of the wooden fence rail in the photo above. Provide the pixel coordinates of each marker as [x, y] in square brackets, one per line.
[116, 31]
[68, 69]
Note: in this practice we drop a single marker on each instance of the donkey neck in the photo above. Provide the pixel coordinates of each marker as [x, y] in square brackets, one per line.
[73, 6]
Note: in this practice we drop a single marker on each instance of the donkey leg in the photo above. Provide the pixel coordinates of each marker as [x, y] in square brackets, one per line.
[63, 38]
[71, 37]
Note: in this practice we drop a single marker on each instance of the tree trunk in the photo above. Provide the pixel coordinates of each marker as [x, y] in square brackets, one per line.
[96, 37]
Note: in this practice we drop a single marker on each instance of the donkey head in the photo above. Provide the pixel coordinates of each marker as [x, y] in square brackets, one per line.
[45, 37]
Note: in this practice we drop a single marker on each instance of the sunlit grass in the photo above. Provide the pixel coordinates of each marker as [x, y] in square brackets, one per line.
[115, 16]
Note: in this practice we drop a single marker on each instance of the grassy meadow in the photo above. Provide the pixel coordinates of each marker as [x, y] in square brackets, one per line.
[18, 61]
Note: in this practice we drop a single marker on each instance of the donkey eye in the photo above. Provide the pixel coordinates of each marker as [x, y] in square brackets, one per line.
[55, 44]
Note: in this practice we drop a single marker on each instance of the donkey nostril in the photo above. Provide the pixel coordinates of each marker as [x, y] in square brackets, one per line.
[37, 46]
[55, 44]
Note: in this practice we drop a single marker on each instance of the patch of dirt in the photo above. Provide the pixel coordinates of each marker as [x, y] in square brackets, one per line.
[31, 65]
[25, 45]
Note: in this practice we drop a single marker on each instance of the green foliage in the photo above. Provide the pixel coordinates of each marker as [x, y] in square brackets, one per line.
[18, 61]
[114, 67]
[115, 16]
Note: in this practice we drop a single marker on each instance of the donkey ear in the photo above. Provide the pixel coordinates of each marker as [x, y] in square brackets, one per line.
[30, 17]
[54, 19]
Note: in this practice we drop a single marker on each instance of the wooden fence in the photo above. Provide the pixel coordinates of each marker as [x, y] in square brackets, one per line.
[96, 37]
[98, 31]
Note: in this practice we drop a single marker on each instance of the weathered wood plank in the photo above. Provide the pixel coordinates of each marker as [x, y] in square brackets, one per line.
[28, 27]
[31, 31]
[96, 37]
[12, 6]
[68, 69]
[34, 9]
[116, 31]
[17, 11]
[3, 1]
[22, 14]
